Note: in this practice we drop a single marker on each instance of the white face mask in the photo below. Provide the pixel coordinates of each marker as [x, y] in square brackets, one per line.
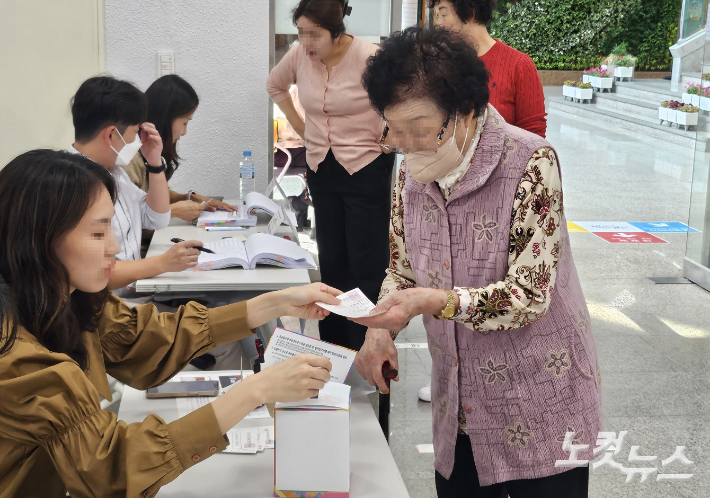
[129, 151]
[426, 167]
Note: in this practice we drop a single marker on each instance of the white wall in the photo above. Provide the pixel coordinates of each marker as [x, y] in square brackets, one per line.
[221, 48]
[370, 19]
[47, 48]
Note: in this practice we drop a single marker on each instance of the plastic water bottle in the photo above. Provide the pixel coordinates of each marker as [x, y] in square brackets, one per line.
[246, 176]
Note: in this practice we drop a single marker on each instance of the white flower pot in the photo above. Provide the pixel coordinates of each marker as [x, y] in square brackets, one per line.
[663, 114]
[583, 93]
[568, 91]
[604, 66]
[695, 100]
[687, 118]
[602, 83]
[672, 115]
[586, 78]
[704, 103]
[686, 98]
[624, 72]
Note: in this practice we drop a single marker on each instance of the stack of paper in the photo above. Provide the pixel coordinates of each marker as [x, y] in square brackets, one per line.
[246, 216]
[250, 439]
[284, 344]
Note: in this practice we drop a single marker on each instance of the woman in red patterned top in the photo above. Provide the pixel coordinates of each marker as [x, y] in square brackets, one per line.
[515, 88]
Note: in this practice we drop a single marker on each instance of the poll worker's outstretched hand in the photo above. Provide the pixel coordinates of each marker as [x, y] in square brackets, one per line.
[187, 210]
[152, 147]
[295, 379]
[180, 257]
[377, 349]
[398, 309]
[301, 301]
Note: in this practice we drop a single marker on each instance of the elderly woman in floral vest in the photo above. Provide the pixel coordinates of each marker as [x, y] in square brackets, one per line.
[479, 246]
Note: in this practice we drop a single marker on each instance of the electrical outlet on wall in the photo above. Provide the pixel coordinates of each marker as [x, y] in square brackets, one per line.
[166, 62]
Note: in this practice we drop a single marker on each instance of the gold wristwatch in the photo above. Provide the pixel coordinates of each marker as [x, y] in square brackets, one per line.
[450, 308]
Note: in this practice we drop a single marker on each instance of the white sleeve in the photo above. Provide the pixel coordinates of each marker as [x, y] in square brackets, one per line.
[149, 218]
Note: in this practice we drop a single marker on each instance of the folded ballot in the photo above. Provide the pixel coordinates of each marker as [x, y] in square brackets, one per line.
[259, 249]
[246, 216]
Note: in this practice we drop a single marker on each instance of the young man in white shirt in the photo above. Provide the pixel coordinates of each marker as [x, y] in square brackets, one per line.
[109, 128]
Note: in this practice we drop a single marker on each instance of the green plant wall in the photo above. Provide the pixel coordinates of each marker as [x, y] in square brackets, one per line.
[576, 34]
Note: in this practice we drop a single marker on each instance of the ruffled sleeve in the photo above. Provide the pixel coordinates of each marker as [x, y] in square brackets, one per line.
[48, 402]
[144, 348]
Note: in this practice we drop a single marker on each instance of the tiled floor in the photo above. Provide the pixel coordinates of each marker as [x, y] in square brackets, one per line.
[654, 351]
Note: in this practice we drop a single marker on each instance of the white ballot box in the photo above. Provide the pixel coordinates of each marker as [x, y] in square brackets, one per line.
[312, 455]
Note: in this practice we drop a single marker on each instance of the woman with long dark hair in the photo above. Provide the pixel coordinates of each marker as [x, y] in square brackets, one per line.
[62, 332]
[349, 173]
[171, 104]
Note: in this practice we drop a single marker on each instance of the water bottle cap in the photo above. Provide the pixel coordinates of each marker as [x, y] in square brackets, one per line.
[247, 153]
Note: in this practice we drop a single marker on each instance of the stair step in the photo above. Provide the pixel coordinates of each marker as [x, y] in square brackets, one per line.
[648, 91]
[627, 105]
[686, 78]
[647, 127]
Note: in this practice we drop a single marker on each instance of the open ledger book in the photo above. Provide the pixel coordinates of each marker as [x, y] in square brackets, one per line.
[259, 249]
[246, 216]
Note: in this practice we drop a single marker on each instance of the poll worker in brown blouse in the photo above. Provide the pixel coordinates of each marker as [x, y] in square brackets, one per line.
[63, 332]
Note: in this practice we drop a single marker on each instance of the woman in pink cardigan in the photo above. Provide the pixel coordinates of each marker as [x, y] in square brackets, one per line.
[349, 177]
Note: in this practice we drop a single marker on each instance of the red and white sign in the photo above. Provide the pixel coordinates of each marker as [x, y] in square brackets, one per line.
[630, 238]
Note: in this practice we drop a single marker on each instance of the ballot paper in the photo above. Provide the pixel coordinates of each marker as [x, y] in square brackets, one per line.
[353, 304]
[333, 396]
[284, 344]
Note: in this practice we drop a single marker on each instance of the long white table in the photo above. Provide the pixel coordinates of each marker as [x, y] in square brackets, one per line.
[373, 471]
[230, 279]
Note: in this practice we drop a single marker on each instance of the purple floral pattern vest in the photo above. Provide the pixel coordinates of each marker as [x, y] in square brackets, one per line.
[521, 389]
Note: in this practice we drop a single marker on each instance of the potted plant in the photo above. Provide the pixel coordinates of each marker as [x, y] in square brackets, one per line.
[692, 94]
[687, 115]
[622, 62]
[568, 89]
[583, 92]
[588, 74]
[624, 67]
[667, 111]
[599, 78]
[704, 99]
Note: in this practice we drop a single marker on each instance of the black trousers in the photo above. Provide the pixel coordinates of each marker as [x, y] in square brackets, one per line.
[352, 232]
[463, 482]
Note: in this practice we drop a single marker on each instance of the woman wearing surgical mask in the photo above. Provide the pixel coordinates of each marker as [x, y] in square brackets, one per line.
[479, 247]
[349, 175]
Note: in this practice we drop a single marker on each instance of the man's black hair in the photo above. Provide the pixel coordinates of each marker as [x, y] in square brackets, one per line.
[103, 101]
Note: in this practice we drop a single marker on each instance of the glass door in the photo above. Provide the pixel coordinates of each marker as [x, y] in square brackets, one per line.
[696, 266]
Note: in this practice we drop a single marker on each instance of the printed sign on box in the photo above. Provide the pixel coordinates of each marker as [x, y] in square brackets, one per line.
[630, 238]
[663, 227]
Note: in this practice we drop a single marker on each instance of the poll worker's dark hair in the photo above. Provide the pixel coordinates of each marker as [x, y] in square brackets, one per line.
[103, 101]
[170, 97]
[480, 11]
[328, 14]
[44, 194]
[432, 64]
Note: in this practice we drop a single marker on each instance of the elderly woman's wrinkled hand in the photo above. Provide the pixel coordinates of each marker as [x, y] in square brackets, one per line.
[398, 310]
